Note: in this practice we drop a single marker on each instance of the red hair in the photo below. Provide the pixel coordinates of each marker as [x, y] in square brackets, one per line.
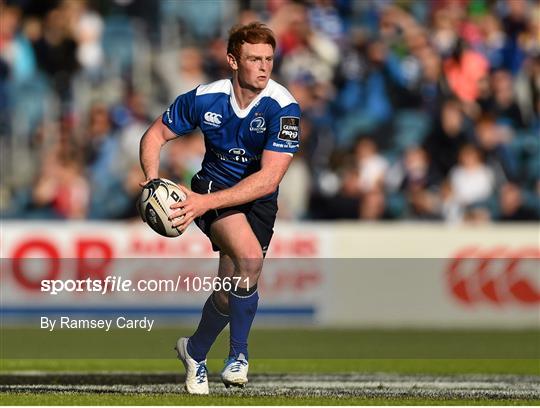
[252, 33]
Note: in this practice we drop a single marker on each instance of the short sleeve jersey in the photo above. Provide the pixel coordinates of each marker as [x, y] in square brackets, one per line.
[235, 138]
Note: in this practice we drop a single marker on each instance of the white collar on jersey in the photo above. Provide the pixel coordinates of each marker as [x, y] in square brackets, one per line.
[242, 113]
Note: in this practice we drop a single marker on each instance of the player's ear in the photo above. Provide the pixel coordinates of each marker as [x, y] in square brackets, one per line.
[231, 59]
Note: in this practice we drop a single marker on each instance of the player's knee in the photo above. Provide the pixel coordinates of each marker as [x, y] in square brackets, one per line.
[250, 267]
[250, 254]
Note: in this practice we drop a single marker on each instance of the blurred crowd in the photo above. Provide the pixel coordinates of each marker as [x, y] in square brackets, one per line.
[412, 109]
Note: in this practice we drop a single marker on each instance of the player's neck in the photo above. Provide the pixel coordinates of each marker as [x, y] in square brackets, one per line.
[244, 95]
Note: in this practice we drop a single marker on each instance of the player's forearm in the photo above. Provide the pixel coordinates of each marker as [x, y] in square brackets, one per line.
[251, 188]
[149, 149]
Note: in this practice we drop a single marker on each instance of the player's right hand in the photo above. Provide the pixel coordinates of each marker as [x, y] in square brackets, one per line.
[184, 212]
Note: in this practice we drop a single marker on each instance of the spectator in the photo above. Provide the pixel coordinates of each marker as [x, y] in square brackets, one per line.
[87, 27]
[445, 30]
[432, 88]
[56, 52]
[512, 206]
[471, 183]
[515, 24]
[15, 50]
[310, 54]
[61, 187]
[372, 205]
[527, 85]
[493, 40]
[324, 17]
[492, 140]
[294, 190]
[412, 178]
[132, 120]
[102, 149]
[501, 101]
[447, 137]
[464, 69]
[371, 166]
[365, 103]
[181, 71]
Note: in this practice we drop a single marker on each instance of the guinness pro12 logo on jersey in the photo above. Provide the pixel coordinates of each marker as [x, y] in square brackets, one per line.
[289, 129]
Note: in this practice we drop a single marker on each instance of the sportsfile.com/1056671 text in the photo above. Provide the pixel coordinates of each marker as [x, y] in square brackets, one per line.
[119, 284]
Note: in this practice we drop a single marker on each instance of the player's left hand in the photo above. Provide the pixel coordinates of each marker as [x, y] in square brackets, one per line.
[192, 207]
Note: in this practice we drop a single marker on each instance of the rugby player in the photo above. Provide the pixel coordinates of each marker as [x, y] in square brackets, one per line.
[251, 128]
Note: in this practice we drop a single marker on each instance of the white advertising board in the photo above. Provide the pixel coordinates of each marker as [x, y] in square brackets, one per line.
[328, 274]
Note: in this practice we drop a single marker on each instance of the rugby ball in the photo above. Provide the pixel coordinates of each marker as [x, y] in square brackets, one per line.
[156, 198]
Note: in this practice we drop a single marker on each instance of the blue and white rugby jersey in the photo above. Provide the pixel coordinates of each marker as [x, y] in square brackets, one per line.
[235, 138]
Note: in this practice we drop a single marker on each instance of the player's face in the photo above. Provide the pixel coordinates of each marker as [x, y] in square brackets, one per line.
[255, 65]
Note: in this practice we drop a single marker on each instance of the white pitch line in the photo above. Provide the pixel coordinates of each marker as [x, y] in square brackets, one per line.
[406, 384]
[302, 385]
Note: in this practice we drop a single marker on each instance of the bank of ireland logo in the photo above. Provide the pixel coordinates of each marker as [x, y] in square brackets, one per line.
[238, 155]
[237, 151]
[257, 125]
[212, 119]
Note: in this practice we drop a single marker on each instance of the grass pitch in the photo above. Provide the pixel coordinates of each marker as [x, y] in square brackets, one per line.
[290, 343]
[370, 367]
[295, 366]
[174, 399]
